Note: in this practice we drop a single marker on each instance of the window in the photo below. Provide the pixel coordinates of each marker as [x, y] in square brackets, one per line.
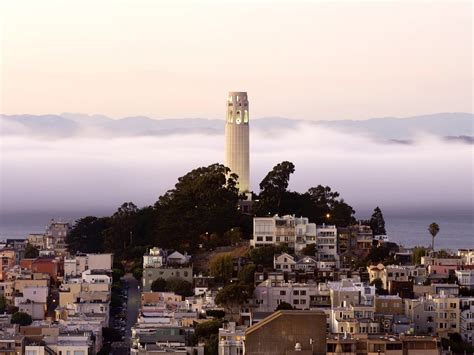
[259, 239]
[296, 292]
[282, 293]
[269, 239]
[303, 292]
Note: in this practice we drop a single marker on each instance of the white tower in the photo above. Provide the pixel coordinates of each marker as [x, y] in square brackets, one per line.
[237, 138]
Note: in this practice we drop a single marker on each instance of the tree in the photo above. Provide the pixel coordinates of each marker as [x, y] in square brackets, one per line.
[21, 318]
[111, 335]
[326, 207]
[31, 252]
[117, 274]
[211, 347]
[377, 222]
[115, 300]
[137, 272]
[342, 215]
[179, 286]
[378, 283]
[87, 235]
[221, 267]
[247, 274]
[119, 236]
[216, 313]
[284, 306]
[264, 255]
[233, 236]
[443, 254]
[433, 228]
[273, 188]
[159, 285]
[309, 250]
[417, 253]
[232, 297]
[203, 201]
[3, 304]
[205, 329]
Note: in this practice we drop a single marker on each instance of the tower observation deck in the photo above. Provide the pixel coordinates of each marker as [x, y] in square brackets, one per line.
[237, 138]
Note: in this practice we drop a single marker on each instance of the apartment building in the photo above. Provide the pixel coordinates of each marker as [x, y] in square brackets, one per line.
[465, 278]
[351, 292]
[388, 305]
[231, 339]
[269, 294]
[81, 262]
[326, 240]
[296, 232]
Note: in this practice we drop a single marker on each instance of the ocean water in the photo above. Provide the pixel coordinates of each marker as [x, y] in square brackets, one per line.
[456, 231]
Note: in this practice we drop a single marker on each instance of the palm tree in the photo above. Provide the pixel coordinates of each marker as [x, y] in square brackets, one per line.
[433, 228]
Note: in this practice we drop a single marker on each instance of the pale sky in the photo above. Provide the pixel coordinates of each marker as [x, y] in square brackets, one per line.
[175, 59]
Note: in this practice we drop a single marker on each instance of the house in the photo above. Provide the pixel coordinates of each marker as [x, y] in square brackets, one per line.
[33, 301]
[387, 273]
[160, 263]
[284, 262]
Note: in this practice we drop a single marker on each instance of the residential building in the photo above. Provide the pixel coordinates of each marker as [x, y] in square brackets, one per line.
[231, 339]
[326, 236]
[269, 294]
[288, 332]
[159, 263]
[466, 321]
[387, 273]
[467, 256]
[465, 278]
[296, 232]
[388, 344]
[389, 305]
[81, 262]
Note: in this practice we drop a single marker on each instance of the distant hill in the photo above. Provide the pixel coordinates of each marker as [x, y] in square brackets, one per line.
[456, 127]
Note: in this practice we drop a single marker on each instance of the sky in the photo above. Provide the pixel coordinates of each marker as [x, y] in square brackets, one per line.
[173, 59]
[312, 60]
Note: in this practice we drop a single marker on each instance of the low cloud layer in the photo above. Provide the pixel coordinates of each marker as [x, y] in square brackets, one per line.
[83, 173]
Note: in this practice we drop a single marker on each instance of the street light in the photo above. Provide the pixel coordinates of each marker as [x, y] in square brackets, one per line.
[328, 215]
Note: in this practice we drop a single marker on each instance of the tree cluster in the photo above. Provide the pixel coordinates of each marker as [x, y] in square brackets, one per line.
[202, 210]
[179, 286]
[320, 204]
[203, 202]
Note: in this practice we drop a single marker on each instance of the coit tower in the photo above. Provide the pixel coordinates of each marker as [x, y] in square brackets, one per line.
[237, 138]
